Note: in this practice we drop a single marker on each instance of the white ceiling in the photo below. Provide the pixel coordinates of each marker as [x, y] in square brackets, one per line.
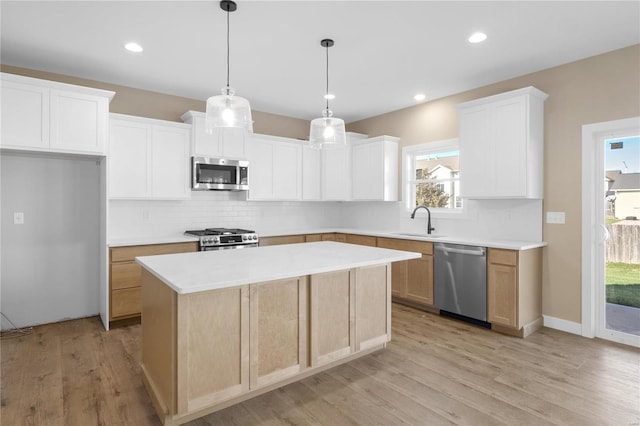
[384, 53]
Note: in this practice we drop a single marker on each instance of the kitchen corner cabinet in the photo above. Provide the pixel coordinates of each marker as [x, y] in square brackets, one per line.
[514, 290]
[501, 145]
[41, 115]
[375, 169]
[125, 276]
[275, 168]
[223, 143]
[411, 280]
[148, 159]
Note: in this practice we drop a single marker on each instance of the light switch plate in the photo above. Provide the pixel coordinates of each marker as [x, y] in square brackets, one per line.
[555, 217]
[18, 218]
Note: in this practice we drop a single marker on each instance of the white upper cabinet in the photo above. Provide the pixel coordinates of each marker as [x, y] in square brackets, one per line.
[375, 169]
[275, 168]
[335, 173]
[41, 115]
[501, 145]
[311, 160]
[148, 159]
[227, 143]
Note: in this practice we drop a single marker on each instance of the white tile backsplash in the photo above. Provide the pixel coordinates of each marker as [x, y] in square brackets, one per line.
[495, 219]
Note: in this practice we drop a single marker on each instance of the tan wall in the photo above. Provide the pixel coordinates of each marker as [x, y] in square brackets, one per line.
[145, 103]
[597, 89]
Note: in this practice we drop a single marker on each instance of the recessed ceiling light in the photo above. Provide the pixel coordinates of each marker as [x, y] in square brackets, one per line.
[477, 37]
[419, 97]
[133, 47]
[329, 96]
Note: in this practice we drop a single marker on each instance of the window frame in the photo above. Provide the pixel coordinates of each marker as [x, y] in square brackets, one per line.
[408, 176]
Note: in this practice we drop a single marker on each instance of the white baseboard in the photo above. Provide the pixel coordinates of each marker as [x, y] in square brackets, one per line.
[562, 325]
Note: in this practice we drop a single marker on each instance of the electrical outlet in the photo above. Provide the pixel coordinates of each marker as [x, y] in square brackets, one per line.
[556, 217]
[18, 218]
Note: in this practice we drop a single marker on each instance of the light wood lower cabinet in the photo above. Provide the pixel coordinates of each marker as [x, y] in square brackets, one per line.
[205, 351]
[363, 240]
[514, 290]
[411, 280]
[125, 276]
[281, 239]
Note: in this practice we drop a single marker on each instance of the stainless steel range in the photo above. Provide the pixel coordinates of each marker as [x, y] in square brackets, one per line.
[224, 238]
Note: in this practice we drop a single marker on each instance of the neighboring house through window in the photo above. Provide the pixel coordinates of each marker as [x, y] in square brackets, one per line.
[431, 176]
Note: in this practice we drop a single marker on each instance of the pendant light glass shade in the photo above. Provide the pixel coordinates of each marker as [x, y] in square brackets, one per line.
[226, 109]
[327, 131]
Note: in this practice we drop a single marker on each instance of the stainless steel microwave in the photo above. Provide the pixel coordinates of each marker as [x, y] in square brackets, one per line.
[219, 174]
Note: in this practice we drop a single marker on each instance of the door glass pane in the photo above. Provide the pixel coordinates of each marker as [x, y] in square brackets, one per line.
[622, 251]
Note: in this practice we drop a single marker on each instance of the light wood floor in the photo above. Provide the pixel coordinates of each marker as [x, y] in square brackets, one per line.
[436, 371]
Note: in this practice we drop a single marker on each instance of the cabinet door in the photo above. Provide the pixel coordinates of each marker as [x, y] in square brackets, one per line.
[278, 330]
[169, 163]
[212, 346]
[420, 280]
[502, 295]
[508, 144]
[373, 306]
[128, 159]
[78, 122]
[205, 144]
[311, 173]
[287, 171]
[260, 169]
[25, 116]
[368, 171]
[331, 330]
[336, 174]
[476, 156]
[233, 142]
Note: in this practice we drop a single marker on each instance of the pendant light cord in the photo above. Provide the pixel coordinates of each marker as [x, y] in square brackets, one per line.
[327, 92]
[228, 12]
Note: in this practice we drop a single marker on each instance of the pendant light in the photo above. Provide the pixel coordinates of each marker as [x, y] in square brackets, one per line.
[228, 110]
[327, 131]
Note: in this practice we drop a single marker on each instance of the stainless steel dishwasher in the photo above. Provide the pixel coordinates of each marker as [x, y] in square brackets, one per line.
[460, 281]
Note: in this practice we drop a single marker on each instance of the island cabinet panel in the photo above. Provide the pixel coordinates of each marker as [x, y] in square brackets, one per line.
[212, 347]
[207, 350]
[278, 336]
[372, 306]
[331, 328]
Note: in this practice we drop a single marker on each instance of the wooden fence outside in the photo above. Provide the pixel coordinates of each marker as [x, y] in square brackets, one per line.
[623, 244]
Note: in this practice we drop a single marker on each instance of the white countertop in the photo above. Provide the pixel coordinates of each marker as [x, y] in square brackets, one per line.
[147, 240]
[209, 270]
[481, 242]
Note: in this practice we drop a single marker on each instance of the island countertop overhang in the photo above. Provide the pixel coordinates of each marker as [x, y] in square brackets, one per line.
[187, 273]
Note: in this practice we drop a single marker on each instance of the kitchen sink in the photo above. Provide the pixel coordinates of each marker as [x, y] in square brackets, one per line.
[410, 234]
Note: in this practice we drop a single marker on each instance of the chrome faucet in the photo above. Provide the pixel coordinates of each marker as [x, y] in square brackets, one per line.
[413, 216]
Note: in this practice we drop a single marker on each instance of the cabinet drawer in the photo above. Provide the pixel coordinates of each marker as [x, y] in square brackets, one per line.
[123, 254]
[125, 275]
[126, 302]
[362, 240]
[313, 237]
[423, 247]
[503, 257]
[285, 239]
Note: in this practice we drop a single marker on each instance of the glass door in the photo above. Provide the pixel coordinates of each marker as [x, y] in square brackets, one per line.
[620, 291]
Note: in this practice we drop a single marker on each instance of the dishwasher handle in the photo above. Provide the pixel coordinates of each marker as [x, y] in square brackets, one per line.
[478, 252]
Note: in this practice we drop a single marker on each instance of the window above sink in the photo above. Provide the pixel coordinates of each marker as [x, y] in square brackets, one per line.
[430, 177]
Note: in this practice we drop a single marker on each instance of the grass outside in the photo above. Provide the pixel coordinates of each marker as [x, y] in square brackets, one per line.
[623, 283]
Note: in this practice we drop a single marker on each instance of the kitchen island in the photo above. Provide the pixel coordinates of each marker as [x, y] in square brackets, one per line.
[220, 327]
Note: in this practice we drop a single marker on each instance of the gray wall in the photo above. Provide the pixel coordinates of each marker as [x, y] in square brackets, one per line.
[49, 265]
